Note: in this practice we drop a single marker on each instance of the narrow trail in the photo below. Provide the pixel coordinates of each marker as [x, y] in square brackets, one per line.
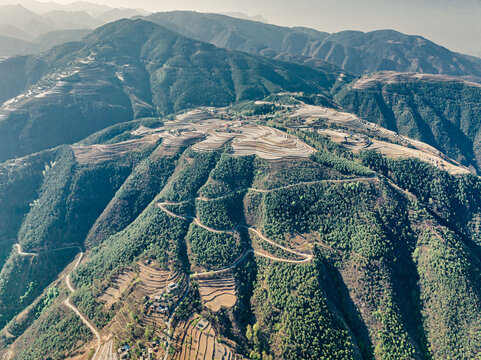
[220, 271]
[337, 181]
[69, 304]
[307, 257]
[21, 252]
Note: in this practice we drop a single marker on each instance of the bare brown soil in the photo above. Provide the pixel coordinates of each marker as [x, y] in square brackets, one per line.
[98, 153]
[218, 291]
[391, 77]
[120, 284]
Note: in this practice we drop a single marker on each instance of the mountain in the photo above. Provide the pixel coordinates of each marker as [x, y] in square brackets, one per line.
[162, 197]
[353, 51]
[28, 21]
[38, 26]
[133, 69]
[69, 20]
[271, 228]
[242, 15]
[440, 110]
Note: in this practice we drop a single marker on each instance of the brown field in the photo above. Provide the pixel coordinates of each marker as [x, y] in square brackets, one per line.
[391, 77]
[395, 145]
[197, 341]
[210, 129]
[356, 143]
[107, 352]
[154, 280]
[98, 153]
[218, 291]
[115, 291]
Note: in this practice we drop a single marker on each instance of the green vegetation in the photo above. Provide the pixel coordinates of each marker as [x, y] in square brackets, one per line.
[230, 173]
[56, 335]
[272, 175]
[443, 114]
[213, 250]
[455, 198]
[302, 326]
[24, 278]
[250, 108]
[222, 213]
[121, 132]
[135, 194]
[191, 173]
[19, 185]
[449, 274]
[153, 229]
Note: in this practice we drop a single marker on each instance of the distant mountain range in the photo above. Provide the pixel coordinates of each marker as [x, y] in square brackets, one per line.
[353, 51]
[32, 27]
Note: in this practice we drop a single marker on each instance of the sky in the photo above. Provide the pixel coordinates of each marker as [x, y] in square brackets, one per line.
[455, 24]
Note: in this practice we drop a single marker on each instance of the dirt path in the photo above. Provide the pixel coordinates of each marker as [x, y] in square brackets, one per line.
[307, 257]
[220, 271]
[86, 322]
[338, 181]
[21, 252]
[69, 304]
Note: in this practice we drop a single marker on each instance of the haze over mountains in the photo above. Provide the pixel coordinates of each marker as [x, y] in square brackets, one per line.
[31, 27]
[183, 185]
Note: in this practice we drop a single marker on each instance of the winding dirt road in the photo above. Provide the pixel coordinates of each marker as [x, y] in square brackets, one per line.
[69, 304]
[337, 181]
[21, 252]
[307, 257]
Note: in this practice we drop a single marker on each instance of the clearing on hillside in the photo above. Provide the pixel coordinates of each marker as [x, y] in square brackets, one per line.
[98, 153]
[218, 291]
[115, 291]
[367, 135]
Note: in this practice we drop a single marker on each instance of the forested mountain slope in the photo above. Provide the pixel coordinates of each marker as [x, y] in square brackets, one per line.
[242, 232]
[131, 69]
[353, 51]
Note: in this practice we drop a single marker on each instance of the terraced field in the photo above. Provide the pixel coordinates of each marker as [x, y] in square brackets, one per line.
[98, 153]
[114, 292]
[218, 291]
[107, 352]
[198, 342]
[154, 280]
[392, 77]
[210, 129]
[368, 135]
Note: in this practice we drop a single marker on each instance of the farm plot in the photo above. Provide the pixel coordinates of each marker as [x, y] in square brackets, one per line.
[98, 153]
[356, 143]
[153, 280]
[392, 77]
[218, 291]
[198, 342]
[269, 143]
[107, 352]
[366, 136]
[119, 285]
